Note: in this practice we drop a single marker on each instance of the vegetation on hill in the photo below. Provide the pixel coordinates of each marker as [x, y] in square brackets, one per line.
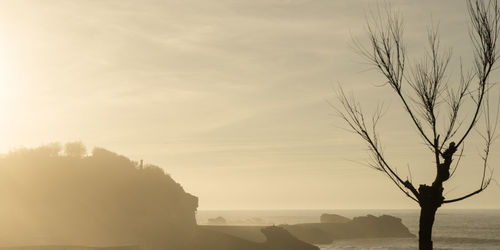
[62, 195]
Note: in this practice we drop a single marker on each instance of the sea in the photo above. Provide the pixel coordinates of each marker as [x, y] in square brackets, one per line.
[453, 228]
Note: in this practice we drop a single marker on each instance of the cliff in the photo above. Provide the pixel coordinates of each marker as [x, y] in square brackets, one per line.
[50, 196]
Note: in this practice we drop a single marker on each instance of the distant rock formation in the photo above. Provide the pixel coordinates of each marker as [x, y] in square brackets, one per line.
[360, 227]
[317, 233]
[382, 226]
[217, 221]
[333, 218]
[50, 196]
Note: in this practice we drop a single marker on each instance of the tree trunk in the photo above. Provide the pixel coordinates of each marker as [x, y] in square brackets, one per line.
[427, 214]
[431, 198]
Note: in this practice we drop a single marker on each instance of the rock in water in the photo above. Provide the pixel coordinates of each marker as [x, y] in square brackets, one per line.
[382, 226]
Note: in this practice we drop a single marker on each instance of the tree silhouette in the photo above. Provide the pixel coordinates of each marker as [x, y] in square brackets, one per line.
[434, 105]
[75, 149]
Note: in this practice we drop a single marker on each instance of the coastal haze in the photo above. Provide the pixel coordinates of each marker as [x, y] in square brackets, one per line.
[231, 98]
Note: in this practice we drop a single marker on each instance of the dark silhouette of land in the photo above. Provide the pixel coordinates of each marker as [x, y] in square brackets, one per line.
[61, 198]
[325, 233]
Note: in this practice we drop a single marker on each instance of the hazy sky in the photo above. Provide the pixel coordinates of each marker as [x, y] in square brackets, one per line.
[229, 97]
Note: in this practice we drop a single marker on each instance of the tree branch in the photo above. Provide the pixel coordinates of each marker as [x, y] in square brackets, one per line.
[354, 117]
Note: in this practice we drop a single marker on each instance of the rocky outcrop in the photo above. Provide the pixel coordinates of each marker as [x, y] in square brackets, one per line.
[333, 218]
[321, 233]
[280, 239]
[375, 227]
[360, 227]
[51, 197]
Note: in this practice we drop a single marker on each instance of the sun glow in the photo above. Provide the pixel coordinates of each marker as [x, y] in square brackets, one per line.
[5, 71]
[8, 93]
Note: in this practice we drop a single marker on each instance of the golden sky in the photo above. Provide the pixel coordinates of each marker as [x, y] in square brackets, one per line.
[230, 97]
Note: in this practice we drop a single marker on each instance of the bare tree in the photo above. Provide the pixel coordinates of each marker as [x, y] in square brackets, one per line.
[433, 103]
